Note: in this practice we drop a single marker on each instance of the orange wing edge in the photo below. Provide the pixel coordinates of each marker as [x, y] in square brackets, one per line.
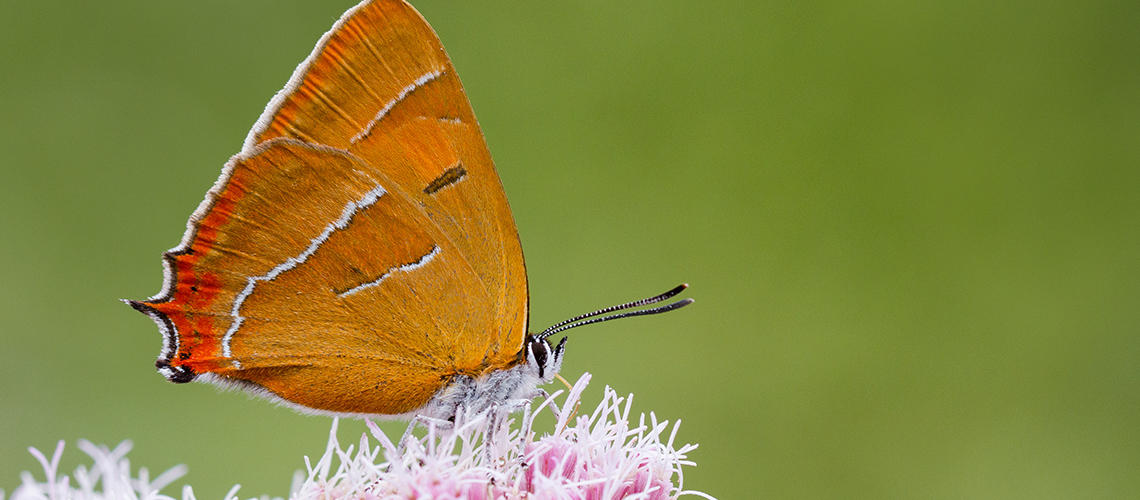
[169, 331]
[298, 77]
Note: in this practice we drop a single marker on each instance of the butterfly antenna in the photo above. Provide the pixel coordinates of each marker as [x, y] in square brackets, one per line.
[578, 320]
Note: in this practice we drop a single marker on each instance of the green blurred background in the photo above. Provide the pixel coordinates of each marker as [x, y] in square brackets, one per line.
[912, 228]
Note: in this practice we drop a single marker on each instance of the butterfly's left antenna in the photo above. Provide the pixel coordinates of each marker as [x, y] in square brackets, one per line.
[577, 320]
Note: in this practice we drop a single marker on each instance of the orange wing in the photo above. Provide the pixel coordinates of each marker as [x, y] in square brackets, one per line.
[359, 252]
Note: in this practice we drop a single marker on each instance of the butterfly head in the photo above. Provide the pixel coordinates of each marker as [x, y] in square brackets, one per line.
[542, 359]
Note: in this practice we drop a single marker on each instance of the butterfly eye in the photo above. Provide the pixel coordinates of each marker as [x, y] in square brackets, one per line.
[539, 351]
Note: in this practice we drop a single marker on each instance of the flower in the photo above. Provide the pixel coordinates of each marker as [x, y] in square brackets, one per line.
[111, 468]
[599, 456]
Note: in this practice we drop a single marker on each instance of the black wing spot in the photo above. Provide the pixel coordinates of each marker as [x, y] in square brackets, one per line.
[447, 178]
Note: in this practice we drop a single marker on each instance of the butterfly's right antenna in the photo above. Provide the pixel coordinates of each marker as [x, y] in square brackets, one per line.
[577, 320]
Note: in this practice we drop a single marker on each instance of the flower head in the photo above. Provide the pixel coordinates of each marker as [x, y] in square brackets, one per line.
[599, 456]
[109, 478]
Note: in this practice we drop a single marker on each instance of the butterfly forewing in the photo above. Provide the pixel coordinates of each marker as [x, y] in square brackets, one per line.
[363, 216]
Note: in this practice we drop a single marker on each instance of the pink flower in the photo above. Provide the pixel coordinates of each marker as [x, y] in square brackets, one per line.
[600, 456]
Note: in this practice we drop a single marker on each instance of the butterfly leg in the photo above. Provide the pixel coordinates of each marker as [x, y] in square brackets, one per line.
[493, 422]
[540, 393]
[438, 424]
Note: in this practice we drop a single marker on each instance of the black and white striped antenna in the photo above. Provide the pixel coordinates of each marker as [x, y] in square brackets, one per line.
[591, 318]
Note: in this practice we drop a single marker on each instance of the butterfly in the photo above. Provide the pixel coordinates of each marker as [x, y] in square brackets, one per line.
[358, 256]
